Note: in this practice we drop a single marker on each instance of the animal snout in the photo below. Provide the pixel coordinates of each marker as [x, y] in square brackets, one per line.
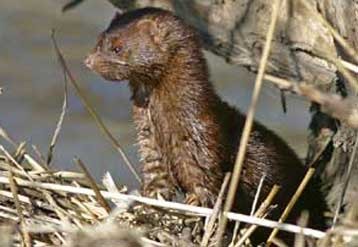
[90, 61]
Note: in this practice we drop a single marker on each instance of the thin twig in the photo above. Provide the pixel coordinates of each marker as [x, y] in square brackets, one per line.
[59, 123]
[344, 109]
[200, 211]
[38, 154]
[279, 242]
[313, 163]
[234, 234]
[92, 112]
[346, 181]
[7, 137]
[15, 163]
[267, 202]
[62, 214]
[14, 190]
[302, 221]
[350, 66]
[292, 202]
[94, 186]
[259, 213]
[257, 195]
[249, 120]
[216, 210]
[34, 164]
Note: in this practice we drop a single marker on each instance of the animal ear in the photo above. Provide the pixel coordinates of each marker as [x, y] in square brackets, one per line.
[117, 14]
[115, 20]
[151, 28]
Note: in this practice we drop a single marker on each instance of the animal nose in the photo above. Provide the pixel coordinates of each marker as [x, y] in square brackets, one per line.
[89, 61]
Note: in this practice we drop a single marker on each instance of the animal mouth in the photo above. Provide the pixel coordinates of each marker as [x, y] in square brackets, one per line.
[90, 61]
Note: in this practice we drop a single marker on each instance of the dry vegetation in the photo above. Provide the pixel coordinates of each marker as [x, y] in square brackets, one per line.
[40, 206]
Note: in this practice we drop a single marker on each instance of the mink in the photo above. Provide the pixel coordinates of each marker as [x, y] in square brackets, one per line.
[188, 137]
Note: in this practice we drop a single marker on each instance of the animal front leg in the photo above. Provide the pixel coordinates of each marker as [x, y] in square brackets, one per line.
[155, 171]
[200, 196]
[201, 186]
[156, 181]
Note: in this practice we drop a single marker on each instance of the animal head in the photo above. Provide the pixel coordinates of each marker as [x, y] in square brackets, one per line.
[139, 45]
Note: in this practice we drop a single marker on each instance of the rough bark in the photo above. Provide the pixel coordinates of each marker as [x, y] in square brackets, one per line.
[235, 30]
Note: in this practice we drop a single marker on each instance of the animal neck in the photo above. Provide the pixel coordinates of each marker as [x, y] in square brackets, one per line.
[183, 86]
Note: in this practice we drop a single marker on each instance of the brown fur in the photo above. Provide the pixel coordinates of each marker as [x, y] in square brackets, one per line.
[188, 136]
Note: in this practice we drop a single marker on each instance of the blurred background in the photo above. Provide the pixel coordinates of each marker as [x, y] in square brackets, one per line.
[32, 81]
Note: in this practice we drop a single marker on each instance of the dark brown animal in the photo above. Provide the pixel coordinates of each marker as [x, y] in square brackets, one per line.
[188, 136]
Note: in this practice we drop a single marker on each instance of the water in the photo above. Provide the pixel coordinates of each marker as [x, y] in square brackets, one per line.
[33, 88]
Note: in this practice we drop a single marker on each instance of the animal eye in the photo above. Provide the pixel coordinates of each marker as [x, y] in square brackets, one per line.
[117, 49]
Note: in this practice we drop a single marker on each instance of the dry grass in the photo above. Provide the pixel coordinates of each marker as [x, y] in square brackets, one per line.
[40, 206]
[49, 216]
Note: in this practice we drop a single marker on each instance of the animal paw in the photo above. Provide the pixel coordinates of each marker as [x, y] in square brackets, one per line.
[201, 197]
[159, 193]
[192, 199]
